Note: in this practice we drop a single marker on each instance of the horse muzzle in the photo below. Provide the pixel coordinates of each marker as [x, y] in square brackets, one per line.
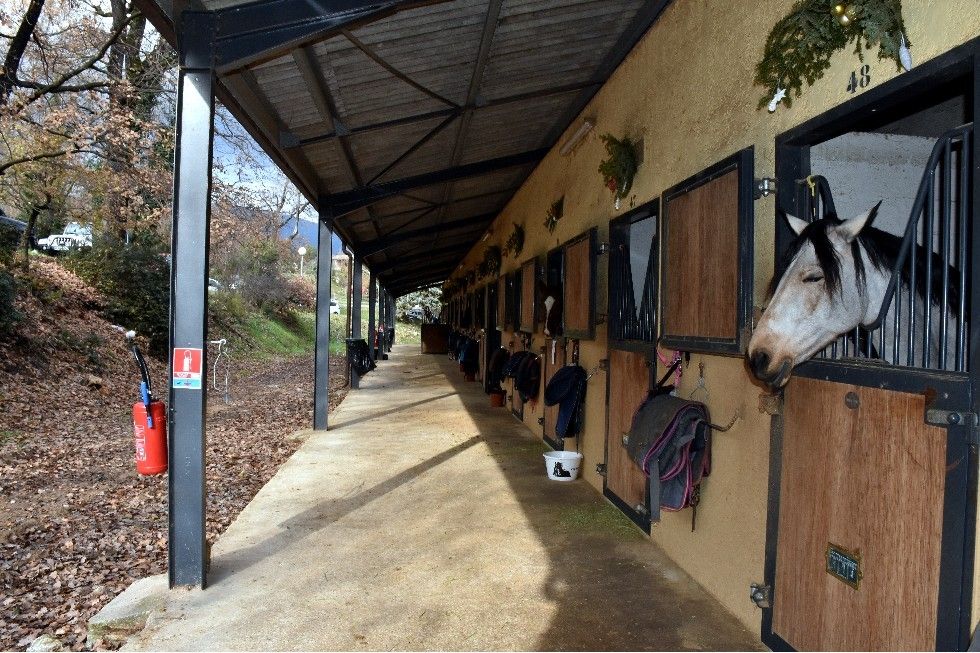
[762, 367]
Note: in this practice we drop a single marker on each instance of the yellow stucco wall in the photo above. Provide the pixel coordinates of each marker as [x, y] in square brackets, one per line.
[687, 90]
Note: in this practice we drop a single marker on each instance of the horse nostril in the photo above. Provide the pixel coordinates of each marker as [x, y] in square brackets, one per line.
[759, 362]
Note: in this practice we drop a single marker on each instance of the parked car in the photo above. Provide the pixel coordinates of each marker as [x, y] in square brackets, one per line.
[75, 235]
[11, 231]
[334, 307]
[414, 314]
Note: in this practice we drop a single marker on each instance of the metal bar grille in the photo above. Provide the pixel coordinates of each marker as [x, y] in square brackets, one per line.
[923, 320]
[626, 322]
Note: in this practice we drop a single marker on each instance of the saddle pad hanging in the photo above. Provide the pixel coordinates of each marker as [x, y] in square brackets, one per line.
[670, 440]
[528, 377]
[567, 389]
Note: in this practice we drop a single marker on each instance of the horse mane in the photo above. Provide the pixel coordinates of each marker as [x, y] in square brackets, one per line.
[882, 249]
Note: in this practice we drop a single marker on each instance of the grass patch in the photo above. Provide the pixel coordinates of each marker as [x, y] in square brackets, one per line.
[595, 518]
[12, 437]
[409, 333]
[270, 337]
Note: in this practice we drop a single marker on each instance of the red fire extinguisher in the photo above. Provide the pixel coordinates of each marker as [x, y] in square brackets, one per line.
[149, 421]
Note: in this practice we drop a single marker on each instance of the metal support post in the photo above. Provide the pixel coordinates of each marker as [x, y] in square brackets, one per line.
[188, 557]
[372, 327]
[355, 313]
[321, 368]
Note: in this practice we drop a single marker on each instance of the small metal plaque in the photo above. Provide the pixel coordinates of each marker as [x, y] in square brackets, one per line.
[844, 565]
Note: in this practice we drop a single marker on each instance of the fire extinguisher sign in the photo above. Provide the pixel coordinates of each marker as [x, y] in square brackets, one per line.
[187, 367]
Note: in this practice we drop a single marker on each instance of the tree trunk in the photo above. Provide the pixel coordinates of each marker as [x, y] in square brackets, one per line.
[11, 62]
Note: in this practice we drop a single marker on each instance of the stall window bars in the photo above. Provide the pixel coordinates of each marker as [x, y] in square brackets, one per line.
[924, 319]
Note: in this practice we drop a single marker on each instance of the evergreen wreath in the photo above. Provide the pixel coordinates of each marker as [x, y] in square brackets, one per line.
[555, 212]
[490, 266]
[515, 242]
[800, 46]
[619, 168]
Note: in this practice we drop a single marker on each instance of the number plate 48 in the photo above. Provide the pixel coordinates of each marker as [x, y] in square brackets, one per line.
[860, 78]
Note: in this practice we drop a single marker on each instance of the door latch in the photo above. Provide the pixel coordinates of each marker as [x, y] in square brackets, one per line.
[761, 595]
[938, 417]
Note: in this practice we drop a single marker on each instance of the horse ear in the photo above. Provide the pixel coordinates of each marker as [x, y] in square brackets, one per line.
[850, 229]
[796, 224]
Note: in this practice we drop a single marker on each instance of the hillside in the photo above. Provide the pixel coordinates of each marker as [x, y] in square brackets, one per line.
[77, 524]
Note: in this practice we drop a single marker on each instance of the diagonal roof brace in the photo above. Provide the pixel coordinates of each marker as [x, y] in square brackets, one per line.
[430, 258]
[262, 30]
[352, 200]
[397, 238]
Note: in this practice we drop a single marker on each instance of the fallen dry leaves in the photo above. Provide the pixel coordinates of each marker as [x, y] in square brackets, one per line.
[77, 524]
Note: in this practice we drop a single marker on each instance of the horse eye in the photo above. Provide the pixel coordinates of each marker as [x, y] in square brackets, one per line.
[813, 278]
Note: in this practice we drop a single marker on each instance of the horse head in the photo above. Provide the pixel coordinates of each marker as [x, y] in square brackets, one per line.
[824, 292]
[551, 300]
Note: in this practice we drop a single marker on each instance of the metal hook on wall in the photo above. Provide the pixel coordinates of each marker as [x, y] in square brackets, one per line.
[603, 364]
[727, 427]
[700, 386]
[575, 352]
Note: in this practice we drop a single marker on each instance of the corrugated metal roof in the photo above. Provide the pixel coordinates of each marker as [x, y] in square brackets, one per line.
[374, 121]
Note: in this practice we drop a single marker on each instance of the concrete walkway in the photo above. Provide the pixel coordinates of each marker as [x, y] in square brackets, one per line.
[423, 519]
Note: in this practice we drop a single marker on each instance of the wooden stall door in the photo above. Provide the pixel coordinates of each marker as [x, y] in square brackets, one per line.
[529, 278]
[579, 304]
[551, 412]
[869, 479]
[502, 303]
[629, 382]
[701, 261]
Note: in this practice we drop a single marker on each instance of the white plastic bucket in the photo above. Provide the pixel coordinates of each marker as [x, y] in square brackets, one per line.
[562, 465]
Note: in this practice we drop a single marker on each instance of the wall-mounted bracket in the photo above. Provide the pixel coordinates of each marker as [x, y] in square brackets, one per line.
[765, 187]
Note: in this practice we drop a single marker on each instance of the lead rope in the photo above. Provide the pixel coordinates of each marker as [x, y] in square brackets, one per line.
[671, 363]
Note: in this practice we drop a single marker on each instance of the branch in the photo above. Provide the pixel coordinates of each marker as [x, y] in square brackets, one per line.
[61, 84]
[6, 165]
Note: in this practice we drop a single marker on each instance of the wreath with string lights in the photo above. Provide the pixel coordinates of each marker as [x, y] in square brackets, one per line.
[800, 46]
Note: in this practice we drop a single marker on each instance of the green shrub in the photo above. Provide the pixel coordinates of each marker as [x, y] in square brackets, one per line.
[135, 280]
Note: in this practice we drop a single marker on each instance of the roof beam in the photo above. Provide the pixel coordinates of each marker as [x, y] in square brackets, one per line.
[426, 258]
[397, 238]
[258, 31]
[264, 117]
[422, 280]
[490, 23]
[445, 113]
[405, 291]
[373, 56]
[352, 200]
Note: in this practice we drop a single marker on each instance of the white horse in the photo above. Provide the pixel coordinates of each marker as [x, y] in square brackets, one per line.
[836, 280]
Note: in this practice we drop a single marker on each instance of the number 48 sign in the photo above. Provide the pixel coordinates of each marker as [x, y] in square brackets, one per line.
[860, 78]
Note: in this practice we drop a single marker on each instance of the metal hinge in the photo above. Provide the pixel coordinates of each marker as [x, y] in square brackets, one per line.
[541, 421]
[938, 417]
[761, 595]
[600, 469]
